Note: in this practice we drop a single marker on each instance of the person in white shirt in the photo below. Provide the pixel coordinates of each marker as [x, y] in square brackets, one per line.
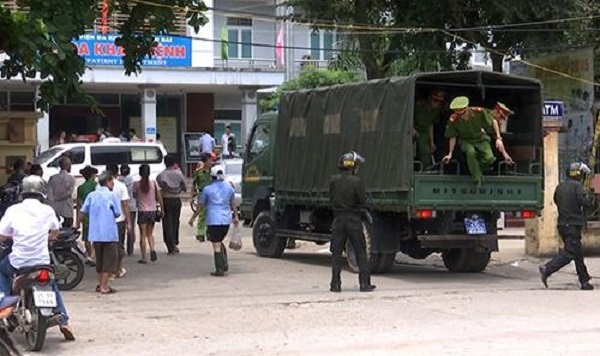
[124, 223]
[207, 143]
[225, 141]
[31, 224]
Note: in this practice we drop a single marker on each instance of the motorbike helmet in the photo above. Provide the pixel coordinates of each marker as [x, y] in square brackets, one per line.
[33, 185]
[350, 161]
[578, 170]
[217, 172]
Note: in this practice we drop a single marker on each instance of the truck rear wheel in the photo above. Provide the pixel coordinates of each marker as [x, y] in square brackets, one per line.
[382, 262]
[264, 237]
[466, 260]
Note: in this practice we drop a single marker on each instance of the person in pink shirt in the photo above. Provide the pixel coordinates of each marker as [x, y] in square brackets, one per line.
[149, 205]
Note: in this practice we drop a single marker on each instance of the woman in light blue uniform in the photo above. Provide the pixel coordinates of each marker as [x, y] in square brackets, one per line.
[218, 200]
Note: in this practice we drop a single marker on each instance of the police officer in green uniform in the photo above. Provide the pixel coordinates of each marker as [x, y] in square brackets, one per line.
[348, 196]
[427, 115]
[470, 127]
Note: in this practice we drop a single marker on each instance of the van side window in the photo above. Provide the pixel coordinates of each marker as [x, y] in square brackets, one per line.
[145, 154]
[260, 141]
[77, 156]
[103, 155]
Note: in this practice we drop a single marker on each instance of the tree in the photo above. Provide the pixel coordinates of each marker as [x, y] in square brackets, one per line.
[310, 78]
[37, 38]
[494, 19]
[376, 39]
[385, 49]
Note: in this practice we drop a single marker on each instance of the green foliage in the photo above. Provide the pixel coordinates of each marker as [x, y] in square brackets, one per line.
[310, 78]
[383, 50]
[39, 41]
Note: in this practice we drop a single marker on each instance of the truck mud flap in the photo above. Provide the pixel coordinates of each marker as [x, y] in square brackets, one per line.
[484, 243]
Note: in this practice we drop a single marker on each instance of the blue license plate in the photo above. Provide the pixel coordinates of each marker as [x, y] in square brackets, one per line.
[475, 226]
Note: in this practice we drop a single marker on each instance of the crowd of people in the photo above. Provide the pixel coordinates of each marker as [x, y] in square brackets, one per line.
[108, 204]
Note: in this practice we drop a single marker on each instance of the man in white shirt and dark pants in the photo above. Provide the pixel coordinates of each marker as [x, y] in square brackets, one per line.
[31, 225]
[225, 149]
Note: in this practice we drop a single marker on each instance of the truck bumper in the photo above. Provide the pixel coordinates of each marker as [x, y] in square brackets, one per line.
[482, 243]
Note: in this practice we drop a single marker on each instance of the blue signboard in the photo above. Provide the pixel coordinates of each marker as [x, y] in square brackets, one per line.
[100, 50]
[553, 109]
[150, 130]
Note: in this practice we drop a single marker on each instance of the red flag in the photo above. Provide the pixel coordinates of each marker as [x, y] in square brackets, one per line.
[279, 48]
[104, 28]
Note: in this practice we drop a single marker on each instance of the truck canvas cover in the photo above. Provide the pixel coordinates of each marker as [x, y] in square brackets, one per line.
[317, 126]
[375, 119]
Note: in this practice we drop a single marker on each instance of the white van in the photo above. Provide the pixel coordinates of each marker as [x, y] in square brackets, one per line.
[98, 155]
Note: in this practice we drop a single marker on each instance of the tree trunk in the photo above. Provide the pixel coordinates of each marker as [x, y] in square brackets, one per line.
[497, 62]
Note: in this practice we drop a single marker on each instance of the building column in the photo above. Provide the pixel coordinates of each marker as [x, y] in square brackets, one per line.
[249, 111]
[43, 133]
[148, 102]
[541, 233]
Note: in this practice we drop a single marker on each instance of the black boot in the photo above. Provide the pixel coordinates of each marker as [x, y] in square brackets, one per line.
[336, 282]
[365, 282]
[219, 263]
[226, 261]
[544, 275]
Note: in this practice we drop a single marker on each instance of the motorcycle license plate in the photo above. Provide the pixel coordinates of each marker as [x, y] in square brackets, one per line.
[475, 226]
[44, 299]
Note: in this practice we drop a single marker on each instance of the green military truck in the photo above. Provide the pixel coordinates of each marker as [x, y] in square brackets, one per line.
[292, 154]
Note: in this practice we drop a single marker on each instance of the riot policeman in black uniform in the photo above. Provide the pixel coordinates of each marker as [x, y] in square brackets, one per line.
[348, 197]
[570, 199]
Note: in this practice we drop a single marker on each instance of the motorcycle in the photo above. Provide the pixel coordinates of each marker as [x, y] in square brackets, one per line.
[34, 312]
[7, 345]
[68, 259]
[65, 256]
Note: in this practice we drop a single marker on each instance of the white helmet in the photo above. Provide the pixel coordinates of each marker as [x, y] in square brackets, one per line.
[217, 172]
[33, 184]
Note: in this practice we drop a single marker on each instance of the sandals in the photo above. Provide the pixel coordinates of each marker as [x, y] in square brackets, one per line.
[143, 262]
[153, 256]
[111, 290]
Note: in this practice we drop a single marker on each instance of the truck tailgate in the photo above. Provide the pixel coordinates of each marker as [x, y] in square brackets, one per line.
[496, 193]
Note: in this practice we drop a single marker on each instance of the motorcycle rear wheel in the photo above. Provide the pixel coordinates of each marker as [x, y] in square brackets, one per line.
[73, 262]
[37, 336]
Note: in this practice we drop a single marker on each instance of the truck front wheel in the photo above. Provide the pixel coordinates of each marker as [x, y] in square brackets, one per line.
[264, 237]
[466, 260]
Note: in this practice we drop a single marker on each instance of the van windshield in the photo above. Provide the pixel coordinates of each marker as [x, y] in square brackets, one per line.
[47, 155]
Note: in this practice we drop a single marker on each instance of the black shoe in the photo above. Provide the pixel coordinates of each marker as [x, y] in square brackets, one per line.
[367, 288]
[176, 250]
[217, 274]
[544, 275]
[153, 256]
[335, 288]
[587, 286]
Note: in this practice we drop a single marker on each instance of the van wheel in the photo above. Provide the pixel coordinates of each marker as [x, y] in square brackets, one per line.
[264, 237]
[466, 260]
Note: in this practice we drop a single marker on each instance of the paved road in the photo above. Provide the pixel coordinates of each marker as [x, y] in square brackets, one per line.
[283, 307]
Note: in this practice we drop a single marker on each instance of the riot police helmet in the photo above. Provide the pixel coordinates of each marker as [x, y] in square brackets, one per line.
[350, 161]
[578, 170]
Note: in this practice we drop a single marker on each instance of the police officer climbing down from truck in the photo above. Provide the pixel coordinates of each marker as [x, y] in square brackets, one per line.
[570, 199]
[348, 197]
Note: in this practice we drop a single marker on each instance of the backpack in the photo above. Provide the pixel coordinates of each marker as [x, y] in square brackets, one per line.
[231, 144]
